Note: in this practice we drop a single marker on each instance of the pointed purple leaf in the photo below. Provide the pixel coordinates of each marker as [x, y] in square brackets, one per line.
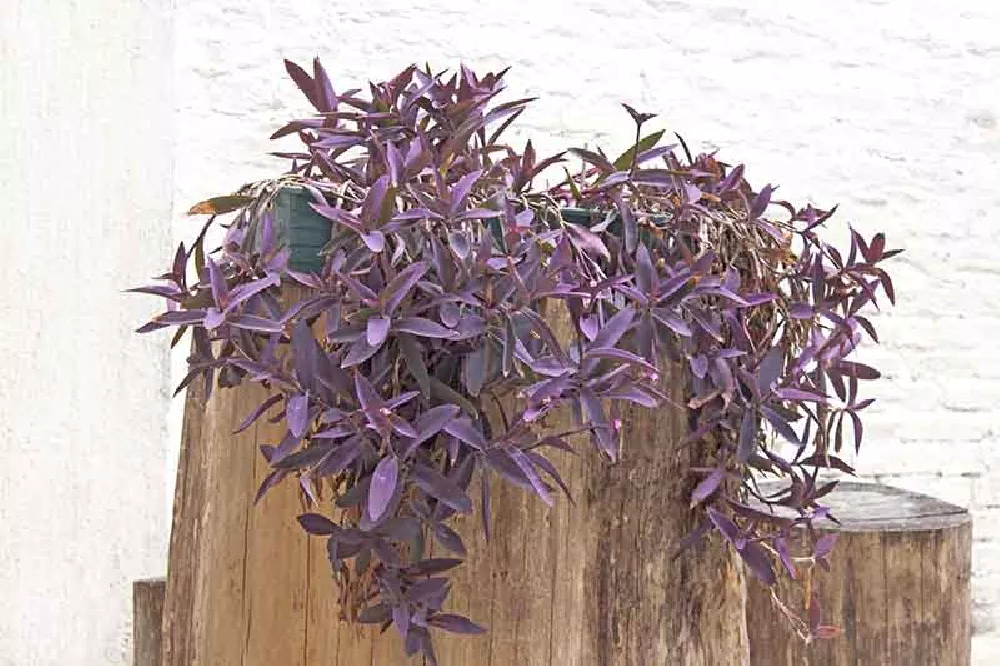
[297, 414]
[454, 623]
[758, 562]
[376, 330]
[401, 285]
[707, 486]
[317, 524]
[748, 437]
[465, 430]
[526, 466]
[440, 487]
[421, 327]
[383, 487]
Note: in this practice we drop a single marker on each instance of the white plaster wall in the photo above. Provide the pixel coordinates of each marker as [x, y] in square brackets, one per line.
[86, 147]
[888, 108]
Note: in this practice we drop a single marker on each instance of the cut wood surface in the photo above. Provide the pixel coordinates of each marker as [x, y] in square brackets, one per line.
[147, 621]
[898, 588]
[593, 582]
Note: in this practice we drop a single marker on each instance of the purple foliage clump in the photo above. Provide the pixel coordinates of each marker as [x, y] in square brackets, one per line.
[434, 303]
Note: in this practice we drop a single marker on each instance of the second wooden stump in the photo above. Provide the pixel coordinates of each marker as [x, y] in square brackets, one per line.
[898, 588]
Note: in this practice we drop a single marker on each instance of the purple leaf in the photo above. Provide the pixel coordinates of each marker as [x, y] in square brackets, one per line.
[748, 437]
[368, 397]
[366, 295]
[214, 318]
[301, 459]
[297, 413]
[257, 413]
[632, 394]
[339, 459]
[158, 290]
[401, 285]
[587, 240]
[699, 366]
[421, 327]
[377, 329]
[540, 461]
[824, 545]
[753, 300]
[760, 202]
[269, 482]
[375, 614]
[359, 352]
[304, 82]
[855, 369]
[786, 558]
[758, 562]
[594, 415]
[255, 323]
[524, 463]
[672, 321]
[430, 423]
[317, 524]
[708, 323]
[323, 90]
[478, 214]
[401, 619]
[245, 291]
[780, 425]
[801, 311]
[615, 328]
[440, 487]
[375, 240]
[220, 292]
[180, 317]
[460, 243]
[474, 366]
[422, 590]
[770, 369]
[724, 525]
[858, 430]
[460, 191]
[454, 623]
[707, 486]
[448, 538]
[798, 394]
[383, 487]
[622, 356]
[464, 430]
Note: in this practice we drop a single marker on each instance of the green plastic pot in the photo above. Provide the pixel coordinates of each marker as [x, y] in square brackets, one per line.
[307, 232]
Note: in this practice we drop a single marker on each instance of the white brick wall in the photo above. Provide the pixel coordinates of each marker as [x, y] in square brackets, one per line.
[888, 108]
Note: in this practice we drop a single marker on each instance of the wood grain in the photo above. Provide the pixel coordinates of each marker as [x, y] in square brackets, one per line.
[592, 582]
[898, 587]
[147, 621]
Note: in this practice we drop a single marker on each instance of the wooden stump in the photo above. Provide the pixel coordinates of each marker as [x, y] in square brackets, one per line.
[147, 621]
[590, 583]
[898, 587]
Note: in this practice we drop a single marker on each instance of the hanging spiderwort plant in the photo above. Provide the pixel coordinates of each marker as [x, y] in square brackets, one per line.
[430, 304]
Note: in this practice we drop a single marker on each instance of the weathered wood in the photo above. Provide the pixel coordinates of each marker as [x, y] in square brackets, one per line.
[587, 583]
[183, 570]
[147, 621]
[898, 586]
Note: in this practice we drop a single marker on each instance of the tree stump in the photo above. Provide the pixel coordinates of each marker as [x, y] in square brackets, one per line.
[593, 582]
[898, 586]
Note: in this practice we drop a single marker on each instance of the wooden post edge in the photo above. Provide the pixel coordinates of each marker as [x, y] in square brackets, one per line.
[147, 621]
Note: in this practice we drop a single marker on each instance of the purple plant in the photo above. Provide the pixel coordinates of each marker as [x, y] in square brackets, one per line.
[430, 308]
